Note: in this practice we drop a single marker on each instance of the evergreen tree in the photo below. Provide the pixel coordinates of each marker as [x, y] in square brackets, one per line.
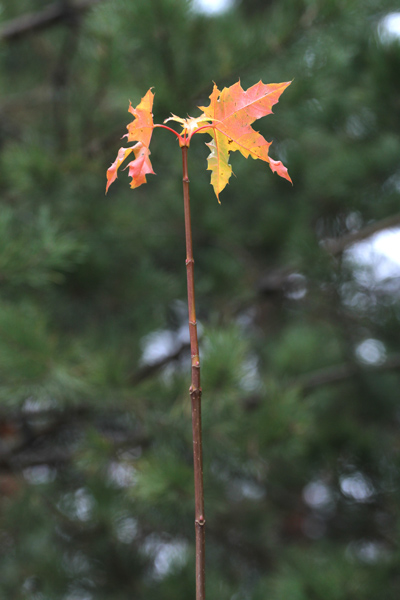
[299, 340]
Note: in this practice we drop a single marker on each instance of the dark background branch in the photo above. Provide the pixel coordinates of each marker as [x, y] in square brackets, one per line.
[51, 15]
[336, 246]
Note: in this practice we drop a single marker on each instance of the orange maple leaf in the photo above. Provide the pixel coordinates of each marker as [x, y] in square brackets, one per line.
[227, 120]
[232, 112]
[139, 130]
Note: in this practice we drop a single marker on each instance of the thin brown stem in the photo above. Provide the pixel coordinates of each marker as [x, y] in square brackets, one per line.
[195, 393]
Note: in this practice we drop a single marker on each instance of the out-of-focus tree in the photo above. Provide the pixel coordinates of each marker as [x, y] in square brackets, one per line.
[299, 338]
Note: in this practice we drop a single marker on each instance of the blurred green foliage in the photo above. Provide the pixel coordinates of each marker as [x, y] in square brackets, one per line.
[301, 418]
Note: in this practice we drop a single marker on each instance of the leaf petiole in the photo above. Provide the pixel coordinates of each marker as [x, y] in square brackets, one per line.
[203, 127]
[178, 135]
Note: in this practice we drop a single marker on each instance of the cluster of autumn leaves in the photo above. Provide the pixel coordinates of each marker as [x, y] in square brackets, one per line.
[227, 120]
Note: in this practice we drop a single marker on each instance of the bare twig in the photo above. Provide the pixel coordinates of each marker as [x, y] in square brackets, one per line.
[195, 393]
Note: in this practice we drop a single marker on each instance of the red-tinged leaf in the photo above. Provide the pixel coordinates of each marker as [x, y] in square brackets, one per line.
[278, 167]
[235, 107]
[141, 166]
[232, 112]
[139, 130]
[112, 171]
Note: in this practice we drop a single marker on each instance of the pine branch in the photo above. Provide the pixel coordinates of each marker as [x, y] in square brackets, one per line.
[31, 439]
